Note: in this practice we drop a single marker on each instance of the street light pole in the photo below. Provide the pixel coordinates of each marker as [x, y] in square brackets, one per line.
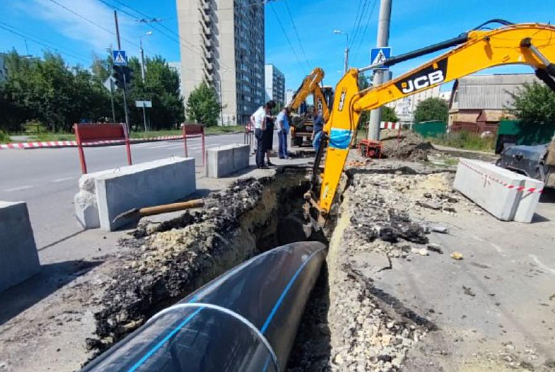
[142, 60]
[148, 33]
[346, 62]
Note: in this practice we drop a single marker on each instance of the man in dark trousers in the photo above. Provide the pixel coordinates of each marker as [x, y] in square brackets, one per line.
[258, 120]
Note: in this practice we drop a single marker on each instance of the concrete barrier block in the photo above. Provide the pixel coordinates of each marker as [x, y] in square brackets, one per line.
[225, 160]
[528, 200]
[19, 259]
[493, 188]
[84, 202]
[143, 185]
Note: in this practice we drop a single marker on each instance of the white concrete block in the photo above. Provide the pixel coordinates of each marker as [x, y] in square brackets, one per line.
[483, 183]
[226, 160]
[143, 185]
[19, 259]
[84, 202]
[502, 192]
[86, 209]
[528, 200]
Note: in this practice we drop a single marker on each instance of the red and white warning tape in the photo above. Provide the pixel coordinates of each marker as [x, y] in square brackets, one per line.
[389, 125]
[52, 144]
[502, 183]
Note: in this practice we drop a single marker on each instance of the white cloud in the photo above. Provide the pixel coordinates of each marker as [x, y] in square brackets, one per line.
[74, 27]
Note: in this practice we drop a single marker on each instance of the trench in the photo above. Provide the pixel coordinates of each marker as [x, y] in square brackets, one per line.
[172, 259]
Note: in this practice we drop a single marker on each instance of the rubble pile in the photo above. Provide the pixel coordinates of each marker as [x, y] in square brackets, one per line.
[172, 259]
[405, 145]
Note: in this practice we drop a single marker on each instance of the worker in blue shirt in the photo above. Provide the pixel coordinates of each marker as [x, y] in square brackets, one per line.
[282, 125]
[318, 129]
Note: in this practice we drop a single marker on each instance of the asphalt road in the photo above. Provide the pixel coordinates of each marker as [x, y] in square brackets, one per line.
[47, 179]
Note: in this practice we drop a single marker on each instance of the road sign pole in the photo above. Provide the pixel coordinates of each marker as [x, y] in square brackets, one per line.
[380, 76]
[144, 115]
[124, 78]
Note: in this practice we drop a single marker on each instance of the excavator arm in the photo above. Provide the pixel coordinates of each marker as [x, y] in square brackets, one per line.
[311, 85]
[530, 44]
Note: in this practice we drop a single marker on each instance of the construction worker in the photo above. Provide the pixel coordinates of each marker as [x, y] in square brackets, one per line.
[258, 120]
[282, 125]
[318, 129]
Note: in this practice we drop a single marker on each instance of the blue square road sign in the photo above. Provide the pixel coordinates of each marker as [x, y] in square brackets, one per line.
[380, 55]
[119, 57]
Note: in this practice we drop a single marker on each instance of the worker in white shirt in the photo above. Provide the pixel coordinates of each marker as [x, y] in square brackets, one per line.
[282, 125]
[258, 120]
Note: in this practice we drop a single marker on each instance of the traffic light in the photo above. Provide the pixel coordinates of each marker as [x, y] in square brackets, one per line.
[119, 72]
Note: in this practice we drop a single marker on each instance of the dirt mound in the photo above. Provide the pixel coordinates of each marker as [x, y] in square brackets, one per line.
[405, 145]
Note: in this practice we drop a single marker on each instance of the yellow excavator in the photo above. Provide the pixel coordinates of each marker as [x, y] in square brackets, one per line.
[322, 97]
[532, 44]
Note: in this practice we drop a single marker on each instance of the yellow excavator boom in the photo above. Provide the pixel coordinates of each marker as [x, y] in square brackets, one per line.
[311, 85]
[530, 44]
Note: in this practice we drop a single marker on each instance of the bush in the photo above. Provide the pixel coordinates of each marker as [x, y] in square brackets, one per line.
[4, 138]
[466, 140]
[34, 127]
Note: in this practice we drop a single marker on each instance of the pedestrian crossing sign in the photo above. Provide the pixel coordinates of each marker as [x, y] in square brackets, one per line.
[380, 55]
[119, 57]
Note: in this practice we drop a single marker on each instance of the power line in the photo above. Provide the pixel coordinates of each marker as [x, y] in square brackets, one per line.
[358, 19]
[181, 41]
[287, 37]
[365, 29]
[7, 27]
[363, 12]
[90, 21]
[297, 33]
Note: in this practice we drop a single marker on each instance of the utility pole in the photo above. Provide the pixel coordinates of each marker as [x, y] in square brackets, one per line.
[124, 78]
[380, 76]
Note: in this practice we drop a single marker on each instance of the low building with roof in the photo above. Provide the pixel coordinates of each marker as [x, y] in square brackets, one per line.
[481, 101]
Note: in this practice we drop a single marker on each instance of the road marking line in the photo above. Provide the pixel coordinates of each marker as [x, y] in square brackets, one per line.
[62, 179]
[541, 265]
[20, 188]
[160, 146]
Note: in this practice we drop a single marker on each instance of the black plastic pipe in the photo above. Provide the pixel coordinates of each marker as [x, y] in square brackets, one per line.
[244, 320]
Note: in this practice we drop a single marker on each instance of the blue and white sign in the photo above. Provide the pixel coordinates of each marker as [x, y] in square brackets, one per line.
[120, 59]
[380, 55]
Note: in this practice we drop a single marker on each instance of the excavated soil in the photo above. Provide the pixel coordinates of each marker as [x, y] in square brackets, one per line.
[350, 325]
[171, 259]
[405, 145]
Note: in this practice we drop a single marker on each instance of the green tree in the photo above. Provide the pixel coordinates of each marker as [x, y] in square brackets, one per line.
[161, 86]
[388, 114]
[431, 109]
[534, 104]
[48, 91]
[203, 106]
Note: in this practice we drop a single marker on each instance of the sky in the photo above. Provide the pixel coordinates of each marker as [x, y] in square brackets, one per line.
[299, 33]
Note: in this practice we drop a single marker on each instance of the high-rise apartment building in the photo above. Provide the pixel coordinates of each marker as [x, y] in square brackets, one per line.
[274, 84]
[222, 43]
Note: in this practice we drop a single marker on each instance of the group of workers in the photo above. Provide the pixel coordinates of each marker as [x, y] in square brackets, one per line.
[264, 123]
